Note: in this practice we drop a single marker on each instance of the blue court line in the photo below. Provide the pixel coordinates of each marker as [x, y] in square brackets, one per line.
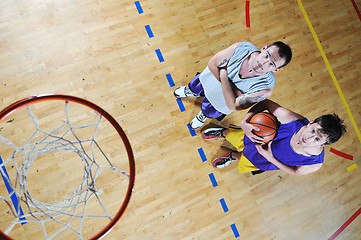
[213, 180]
[224, 205]
[180, 105]
[139, 8]
[149, 31]
[13, 196]
[170, 80]
[201, 153]
[235, 231]
[159, 54]
[192, 132]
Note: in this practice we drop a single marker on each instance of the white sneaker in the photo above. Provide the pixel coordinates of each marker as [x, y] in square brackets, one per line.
[198, 121]
[183, 92]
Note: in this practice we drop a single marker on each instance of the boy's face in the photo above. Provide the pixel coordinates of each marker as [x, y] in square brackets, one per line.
[268, 60]
[311, 136]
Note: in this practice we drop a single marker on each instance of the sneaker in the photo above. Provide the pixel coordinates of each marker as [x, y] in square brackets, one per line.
[183, 92]
[198, 121]
[212, 133]
[223, 161]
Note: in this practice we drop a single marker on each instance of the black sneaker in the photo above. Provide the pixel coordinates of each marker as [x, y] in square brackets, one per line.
[212, 133]
[223, 161]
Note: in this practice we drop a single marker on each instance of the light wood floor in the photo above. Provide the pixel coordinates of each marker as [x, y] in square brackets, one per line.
[100, 51]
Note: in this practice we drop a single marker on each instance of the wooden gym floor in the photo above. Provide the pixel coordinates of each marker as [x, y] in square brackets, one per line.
[101, 51]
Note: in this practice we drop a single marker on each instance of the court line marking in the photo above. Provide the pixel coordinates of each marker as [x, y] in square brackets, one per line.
[224, 205]
[248, 22]
[353, 217]
[149, 31]
[159, 55]
[180, 105]
[351, 167]
[170, 80]
[341, 154]
[235, 231]
[191, 131]
[343, 99]
[339, 92]
[213, 180]
[356, 8]
[139, 8]
[13, 196]
[201, 153]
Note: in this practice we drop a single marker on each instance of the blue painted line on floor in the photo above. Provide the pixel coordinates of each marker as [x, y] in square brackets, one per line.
[13, 196]
[224, 205]
[139, 8]
[160, 56]
[235, 231]
[201, 153]
[213, 180]
[170, 80]
[192, 132]
[180, 105]
[149, 31]
[182, 109]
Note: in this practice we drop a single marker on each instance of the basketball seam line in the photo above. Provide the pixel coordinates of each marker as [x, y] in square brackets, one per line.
[260, 124]
[267, 115]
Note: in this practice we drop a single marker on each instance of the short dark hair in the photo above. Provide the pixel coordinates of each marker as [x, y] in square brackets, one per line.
[284, 51]
[332, 126]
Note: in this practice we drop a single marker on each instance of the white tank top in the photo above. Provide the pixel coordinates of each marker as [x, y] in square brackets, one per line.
[213, 88]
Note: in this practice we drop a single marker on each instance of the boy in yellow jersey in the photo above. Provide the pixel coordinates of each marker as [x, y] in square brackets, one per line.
[297, 149]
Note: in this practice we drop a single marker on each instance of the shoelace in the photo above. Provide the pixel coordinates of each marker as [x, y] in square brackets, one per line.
[224, 160]
[188, 92]
[201, 117]
[217, 133]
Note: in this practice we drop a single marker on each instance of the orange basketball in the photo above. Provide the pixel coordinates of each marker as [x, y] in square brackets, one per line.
[267, 124]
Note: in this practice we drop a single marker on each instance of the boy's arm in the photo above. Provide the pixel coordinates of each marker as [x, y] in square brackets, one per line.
[243, 101]
[296, 171]
[220, 60]
[218, 66]
[282, 114]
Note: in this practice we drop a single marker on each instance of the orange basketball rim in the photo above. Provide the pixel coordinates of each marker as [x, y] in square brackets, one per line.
[85, 131]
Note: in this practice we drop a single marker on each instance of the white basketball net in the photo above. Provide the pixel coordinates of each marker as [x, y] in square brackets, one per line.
[72, 208]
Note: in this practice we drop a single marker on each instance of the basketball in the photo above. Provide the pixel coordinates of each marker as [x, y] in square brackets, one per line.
[267, 124]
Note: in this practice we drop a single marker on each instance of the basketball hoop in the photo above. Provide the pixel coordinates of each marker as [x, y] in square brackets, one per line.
[42, 139]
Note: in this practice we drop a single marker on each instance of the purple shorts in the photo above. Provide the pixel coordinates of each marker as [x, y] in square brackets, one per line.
[208, 110]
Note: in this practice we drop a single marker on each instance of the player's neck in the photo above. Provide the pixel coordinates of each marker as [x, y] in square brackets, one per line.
[246, 70]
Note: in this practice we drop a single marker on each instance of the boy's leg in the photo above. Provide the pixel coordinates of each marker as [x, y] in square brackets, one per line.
[226, 159]
[214, 133]
[208, 111]
[194, 89]
[235, 137]
[244, 165]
